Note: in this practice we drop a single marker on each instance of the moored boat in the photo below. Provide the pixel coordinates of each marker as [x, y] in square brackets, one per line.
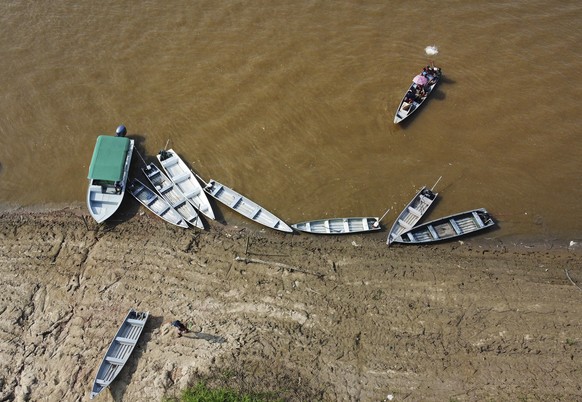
[167, 189]
[245, 206]
[447, 228]
[412, 213]
[155, 203]
[339, 225]
[119, 350]
[184, 179]
[108, 174]
[418, 92]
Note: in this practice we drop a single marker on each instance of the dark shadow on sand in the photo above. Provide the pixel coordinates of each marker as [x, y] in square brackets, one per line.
[207, 337]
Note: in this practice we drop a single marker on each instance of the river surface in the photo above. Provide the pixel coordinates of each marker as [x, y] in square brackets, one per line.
[291, 103]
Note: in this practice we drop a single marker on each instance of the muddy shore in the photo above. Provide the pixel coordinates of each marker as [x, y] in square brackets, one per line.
[315, 318]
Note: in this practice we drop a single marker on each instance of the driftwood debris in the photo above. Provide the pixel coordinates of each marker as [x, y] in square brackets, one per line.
[570, 279]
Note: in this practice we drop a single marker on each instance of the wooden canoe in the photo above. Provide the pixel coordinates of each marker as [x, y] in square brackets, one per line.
[412, 213]
[183, 178]
[339, 225]
[172, 194]
[155, 203]
[406, 109]
[119, 350]
[448, 228]
[244, 206]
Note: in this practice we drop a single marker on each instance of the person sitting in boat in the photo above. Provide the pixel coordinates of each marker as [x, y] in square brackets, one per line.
[435, 71]
[410, 96]
[408, 100]
[117, 188]
[428, 73]
[420, 91]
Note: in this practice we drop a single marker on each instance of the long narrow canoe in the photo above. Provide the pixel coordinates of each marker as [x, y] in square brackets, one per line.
[119, 350]
[339, 225]
[448, 228]
[158, 205]
[412, 213]
[183, 178]
[405, 109]
[245, 207]
[108, 175]
[172, 194]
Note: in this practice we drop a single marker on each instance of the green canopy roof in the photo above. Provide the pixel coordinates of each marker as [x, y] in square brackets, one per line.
[109, 158]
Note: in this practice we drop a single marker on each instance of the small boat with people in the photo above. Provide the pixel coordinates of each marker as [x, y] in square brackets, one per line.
[412, 213]
[119, 350]
[339, 225]
[171, 193]
[447, 228]
[245, 206]
[155, 203]
[184, 179]
[108, 174]
[422, 86]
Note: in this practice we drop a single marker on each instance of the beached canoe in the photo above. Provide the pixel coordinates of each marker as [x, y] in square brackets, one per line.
[412, 213]
[244, 206]
[339, 225]
[155, 203]
[119, 350]
[171, 193]
[108, 175]
[448, 228]
[184, 179]
[417, 94]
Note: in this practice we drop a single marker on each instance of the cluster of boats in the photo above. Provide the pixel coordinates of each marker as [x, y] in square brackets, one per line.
[179, 196]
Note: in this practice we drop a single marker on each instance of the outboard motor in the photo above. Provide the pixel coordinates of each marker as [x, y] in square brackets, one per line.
[121, 131]
[427, 193]
[164, 155]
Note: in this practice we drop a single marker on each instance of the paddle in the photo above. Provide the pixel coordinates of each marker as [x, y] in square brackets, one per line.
[141, 157]
[377, 223]
[436, 183]
[199, 178]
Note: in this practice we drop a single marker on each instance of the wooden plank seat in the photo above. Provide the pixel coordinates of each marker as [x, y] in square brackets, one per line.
[125, 341]
[114, 360]
[181, 177]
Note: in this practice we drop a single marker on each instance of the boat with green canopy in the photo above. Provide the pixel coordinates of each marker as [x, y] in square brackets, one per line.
[108, 174]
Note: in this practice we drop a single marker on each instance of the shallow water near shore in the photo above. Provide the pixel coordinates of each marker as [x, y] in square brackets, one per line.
[292, 104]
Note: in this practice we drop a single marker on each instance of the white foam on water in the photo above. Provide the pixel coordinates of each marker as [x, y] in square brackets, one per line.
[431, 50]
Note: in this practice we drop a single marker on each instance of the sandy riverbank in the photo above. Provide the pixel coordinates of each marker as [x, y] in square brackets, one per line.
[334, 318]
